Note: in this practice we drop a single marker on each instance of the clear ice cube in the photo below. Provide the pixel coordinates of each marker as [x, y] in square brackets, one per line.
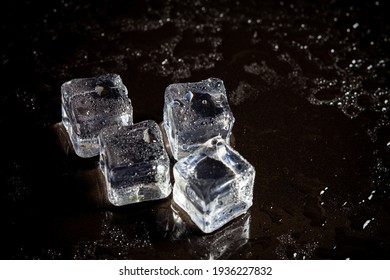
[134, 163]
[88, 105]
[213, 185]
[195, 113]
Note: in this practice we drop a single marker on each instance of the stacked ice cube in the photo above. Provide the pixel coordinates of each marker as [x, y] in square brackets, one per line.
[213, 182]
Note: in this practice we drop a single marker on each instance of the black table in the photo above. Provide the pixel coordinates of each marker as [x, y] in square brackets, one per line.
[308, 85]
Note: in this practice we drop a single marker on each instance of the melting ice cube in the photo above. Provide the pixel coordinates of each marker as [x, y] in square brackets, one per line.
[134, 163]
[88, 105]
[213, 185]
[194, 113]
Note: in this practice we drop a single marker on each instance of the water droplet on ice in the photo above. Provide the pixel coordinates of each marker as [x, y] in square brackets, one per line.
[99, 89]
[189, 95]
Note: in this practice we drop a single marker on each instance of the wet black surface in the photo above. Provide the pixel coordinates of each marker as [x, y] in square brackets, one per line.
[308, 85]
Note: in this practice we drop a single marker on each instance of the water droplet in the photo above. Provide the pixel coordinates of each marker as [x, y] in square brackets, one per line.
[189, 95]
[366, 224]
[371, 195]
[99, 89]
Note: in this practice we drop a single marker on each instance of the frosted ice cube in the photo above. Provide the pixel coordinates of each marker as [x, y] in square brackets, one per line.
[134, 163]
[88, 105]
[194, 113]
[213, 185]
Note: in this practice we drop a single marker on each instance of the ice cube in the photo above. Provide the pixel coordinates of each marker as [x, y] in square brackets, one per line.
[88, 105]
[213, 185]
[195, 113]
[134, 163]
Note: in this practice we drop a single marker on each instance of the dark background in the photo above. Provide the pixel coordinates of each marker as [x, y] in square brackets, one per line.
[308, 84]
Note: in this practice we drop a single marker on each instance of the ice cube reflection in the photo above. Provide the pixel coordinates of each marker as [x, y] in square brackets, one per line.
[218, 245]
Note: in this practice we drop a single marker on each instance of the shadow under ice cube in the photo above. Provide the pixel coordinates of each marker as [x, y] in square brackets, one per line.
[194, 113]
[90, 104]
[213, 185]
[134, 163]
